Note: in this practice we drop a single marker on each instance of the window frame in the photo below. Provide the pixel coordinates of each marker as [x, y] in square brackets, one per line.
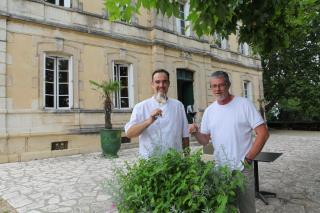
[66, 3]
[56, 83]
[244, 48]
[117, 97]
[221, 42]
[186, 30]
[247, 90]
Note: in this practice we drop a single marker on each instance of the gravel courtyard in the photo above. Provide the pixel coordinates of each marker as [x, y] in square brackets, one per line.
[74, 183]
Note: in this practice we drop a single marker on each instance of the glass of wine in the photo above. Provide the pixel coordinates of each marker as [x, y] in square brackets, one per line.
[191, 113]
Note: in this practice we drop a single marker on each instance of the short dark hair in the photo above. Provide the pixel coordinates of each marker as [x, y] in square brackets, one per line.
[221, 74]
[161, 71]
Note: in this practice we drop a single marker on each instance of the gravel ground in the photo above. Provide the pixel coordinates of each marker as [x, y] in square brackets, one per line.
[32, 186]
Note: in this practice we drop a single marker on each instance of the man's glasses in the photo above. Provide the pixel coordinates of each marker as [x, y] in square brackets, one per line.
[216, 86]
[164, 82]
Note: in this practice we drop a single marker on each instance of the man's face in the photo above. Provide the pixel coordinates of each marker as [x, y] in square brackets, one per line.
[219, 88]
[160, 83]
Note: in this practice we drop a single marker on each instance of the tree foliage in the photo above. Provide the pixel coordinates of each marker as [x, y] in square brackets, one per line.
[292, 77]
[265, 25]
[284, 32]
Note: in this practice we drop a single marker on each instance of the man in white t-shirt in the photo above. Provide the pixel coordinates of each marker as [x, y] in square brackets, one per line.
[160, 122]
[229, 122]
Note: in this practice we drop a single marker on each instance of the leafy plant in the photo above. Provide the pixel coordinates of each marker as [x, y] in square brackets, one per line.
[175, 183]
[107, 88]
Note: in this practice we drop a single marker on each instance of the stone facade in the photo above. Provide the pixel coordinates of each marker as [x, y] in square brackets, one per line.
[33, 30]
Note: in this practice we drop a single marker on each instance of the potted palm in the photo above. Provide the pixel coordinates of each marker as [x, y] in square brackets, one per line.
[110, 138]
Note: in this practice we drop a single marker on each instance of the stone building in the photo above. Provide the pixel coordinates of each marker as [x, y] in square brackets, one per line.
[49, 50]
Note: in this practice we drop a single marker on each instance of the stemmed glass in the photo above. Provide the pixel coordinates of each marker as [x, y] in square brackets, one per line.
[191, 113]
[161, 99]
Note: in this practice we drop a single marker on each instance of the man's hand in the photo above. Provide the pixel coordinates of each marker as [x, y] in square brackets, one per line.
[193, 128]
[156, 113]
[203, 139]
[137, 129]
[153, 116]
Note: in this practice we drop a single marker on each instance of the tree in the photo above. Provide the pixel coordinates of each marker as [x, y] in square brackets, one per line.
[264, 25]
[284, 32]
[107, 88]
[292, 77]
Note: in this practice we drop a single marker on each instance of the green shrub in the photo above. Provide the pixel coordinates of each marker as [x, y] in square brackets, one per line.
[175, 183]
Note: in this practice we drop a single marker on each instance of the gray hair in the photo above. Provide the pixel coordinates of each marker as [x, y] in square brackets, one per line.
[221, 74]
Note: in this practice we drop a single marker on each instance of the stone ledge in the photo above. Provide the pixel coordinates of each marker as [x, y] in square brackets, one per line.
[29, 156]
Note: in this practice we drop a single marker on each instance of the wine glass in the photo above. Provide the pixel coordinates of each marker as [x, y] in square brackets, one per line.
[161, 99]
[191, 112]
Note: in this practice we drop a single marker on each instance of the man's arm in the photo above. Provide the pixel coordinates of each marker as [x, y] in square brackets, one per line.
[185, 143]
[137, 129]
[262, 135]
[186, 146]
[203, 139]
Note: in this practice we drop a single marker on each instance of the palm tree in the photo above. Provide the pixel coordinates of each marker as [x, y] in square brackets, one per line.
[107, 88]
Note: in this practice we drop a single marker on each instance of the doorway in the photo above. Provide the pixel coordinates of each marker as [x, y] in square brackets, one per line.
[185, 88]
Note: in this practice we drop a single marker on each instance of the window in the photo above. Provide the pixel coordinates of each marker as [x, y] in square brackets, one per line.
[64, 3]
[122, 73]
[183, 26]
[244, 48]
[57, 82]
[247, 90]
[221, 42]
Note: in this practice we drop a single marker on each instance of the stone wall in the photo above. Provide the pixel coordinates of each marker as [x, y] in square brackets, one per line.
[31, 29]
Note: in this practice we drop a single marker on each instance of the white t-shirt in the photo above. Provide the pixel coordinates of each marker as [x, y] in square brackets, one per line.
[230, 127]
[164, 133]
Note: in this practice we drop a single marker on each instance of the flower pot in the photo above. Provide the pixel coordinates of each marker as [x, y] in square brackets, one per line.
[110, 142]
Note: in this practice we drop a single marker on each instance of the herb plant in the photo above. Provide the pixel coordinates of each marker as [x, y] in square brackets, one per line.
[173, 182]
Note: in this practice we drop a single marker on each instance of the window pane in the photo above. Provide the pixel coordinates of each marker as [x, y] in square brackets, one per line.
[63, 64]
[245, 85]
[124, 102]
[61, 2]
[49, 101]
[182, 30]
[124, 81]
[50, 63]
[115, 73]
[123, 71]
[181, 11]
[63, 89]
[63, 77]
[49, 88]
[63, 101]
[49, 76]
[51, 1]
[124, 92]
